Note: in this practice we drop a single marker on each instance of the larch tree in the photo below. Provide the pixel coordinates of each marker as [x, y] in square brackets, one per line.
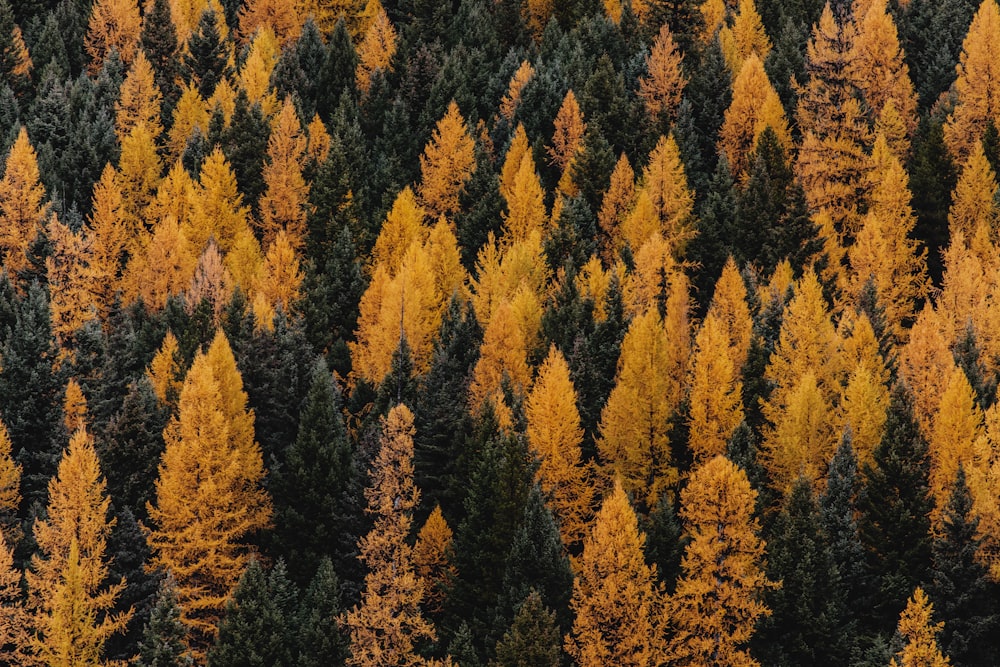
[283, 18]
[567, 140]
[376, 50]
[864, 403]
[106, 241]
[69, 298]
[919, 632]
[973, 212]
[746, 36]
[729, 306]
[831, 159]
[525, 203]
[617, 602]
[166, 371]
[718, 599]
[664, 203]
[615, 205]
[403, 225]
[519, 146]
[957, 426]
[114, 25]
[139, 171]
[387, 626]
[716, 397]
[432, 559]
[255, 75]
[555, 436]
[447, 163]
[209, 498]
[140, 99]
[219, 209]
[283, 205]
[10, 488]
[15, 619]
[635, 442]
[162, 269]
[512, 98]
[503, 354]
[68, 579]
[884, 250]
[661, 87]
[755, 107]
[22, 210]
[977, 88]
[282, 278]
[926, 362]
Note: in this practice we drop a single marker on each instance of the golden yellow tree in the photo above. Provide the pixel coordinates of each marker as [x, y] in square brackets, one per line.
[283, 204]
[255, 75]
[920, 633]
[15, 619]
[209, 498]
[21, 208]
[139, 101]
[388, 623]
[519, 147]
[279, 16]
[186, 13]
[661, 87]
[615, 205]
[431, 559]
[447, 163]
[10, 482]
[716, 392]
[162, 269]
[718, 599]
[567, 139]
[219, 210]
[803, 438]
[282, 278]
[729, 306]
[191, 112]
[139, 170]
[70, 568]
[376, 50]
[958, 424]
[617, 603]
[555, 436]
[210, 283]
[403, 226]
[984, 484]
[69, 298]
[926, 363]
[504, 353]
[106, 240]
[525, 203]
[755, 107]
[977, 88]
[746, 37]
[973, 211]
[114, 25]
[166, 371]
[864, 403]
[877, 68]
[664, 204]
[884, 251]
[635, 443]
[512, 98]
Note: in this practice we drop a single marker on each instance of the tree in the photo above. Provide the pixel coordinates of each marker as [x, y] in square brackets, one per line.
[205, 62]
[106, 240]
[533, 638]
[140, 100]
[951, 444]
[15, 638]
[163, 643]
[719, 596]
[258, 622]
[431, 559]
[67, 579]
[321, 635]
[446, 163]
[283, 205]
[747, 36]
[377, 49]
[960, 582]
[884, 250]
[617, 603]
[977, 94]
[159, 45]
[716, 397]
[387, 626]
[282, 18]
[525, 198]
[208, 495]
[10, 489]
[755, 107]
[21, 209]
[555, 436]
[503, 355]
[972, 210]
[512, 98]
[920, 634]
[635, 440]
[114, 26]
[567, 139]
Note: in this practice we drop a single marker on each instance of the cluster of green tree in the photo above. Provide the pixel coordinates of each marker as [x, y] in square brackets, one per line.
[485, 332]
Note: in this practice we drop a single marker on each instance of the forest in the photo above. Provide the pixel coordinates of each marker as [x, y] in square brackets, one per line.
[499, 333]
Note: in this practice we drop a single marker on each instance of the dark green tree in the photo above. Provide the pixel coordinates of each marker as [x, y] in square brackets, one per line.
[159, 42]
[336, 75]
[894, 509]
[533, 639]
[258, 626]
[933, 176]
[299, 69]
[244, 143]
[321, 640]
[205, 63]
[964, 596]
[164, 643]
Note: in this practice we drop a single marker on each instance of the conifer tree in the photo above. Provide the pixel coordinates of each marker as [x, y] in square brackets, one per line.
[555, 436]
[140, 100]
[321, 635]
[716, 397]
[525, 200]
[719, 596]
[533, 637]
[284, 19]
[15, 619]
[163, 643]
[377, 48]
[208, 495]
[159, 44]
[972, 207]
[977, 95]
[617, 603]
[205, 62]
[10, 489]
[747, 36]
[114, 26]
[920, 634]
[661, 87]
[67, 580]
[387, 626]
[957, 426]
[567, 141]
[635, 440]
[755, 107]
[446, 163]
[283, 204]
[21, 208]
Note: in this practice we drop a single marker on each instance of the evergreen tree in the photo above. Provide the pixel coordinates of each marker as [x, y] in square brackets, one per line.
[895, 506]
[257, 628]
[533, 639]
[321, 638]
[159, 43]
[163, 643]
[960, 583]
[205, 63]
